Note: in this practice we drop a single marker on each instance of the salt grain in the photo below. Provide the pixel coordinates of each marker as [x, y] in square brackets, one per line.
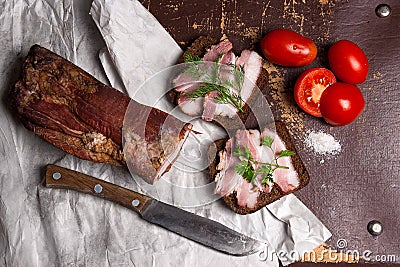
[322, 143]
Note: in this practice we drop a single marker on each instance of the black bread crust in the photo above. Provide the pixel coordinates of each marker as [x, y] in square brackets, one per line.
[199, 47]
[276, 192]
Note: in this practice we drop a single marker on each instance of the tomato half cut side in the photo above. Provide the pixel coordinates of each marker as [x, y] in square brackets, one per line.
[309, 87]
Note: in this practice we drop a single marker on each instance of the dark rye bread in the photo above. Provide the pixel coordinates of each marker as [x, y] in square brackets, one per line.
[198, 48]
[276, 193]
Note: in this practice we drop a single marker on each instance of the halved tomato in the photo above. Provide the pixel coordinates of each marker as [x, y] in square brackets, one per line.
[309, 87]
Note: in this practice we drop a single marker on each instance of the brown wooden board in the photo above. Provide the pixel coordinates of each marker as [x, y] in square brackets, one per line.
[362, 183]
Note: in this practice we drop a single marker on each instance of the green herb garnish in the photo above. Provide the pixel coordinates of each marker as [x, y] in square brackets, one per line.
[212, 81]
[190, 58]
[245, 167]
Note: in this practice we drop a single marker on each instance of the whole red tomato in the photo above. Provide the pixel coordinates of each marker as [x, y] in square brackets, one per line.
[309, 87]
[348, 62]
[288, 48]
[341, 103]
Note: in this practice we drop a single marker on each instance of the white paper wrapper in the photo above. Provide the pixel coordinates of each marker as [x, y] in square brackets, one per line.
[287, 224]
[32, 231]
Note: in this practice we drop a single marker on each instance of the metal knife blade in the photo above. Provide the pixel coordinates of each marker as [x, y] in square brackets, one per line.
[199, 229]
[202, 230]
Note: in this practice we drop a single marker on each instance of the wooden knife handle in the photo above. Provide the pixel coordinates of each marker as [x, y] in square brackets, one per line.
[59, 177]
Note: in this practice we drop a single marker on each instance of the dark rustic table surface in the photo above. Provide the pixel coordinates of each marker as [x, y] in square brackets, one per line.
[362, 183]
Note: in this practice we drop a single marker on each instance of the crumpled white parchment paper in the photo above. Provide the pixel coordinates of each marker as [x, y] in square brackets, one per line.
[52, 227]
[132, 35]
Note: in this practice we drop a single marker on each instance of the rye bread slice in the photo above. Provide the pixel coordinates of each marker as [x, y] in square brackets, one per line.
[199, 48]
[276, 193]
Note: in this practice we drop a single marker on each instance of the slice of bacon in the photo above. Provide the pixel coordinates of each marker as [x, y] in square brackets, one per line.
[209, 106]
[192, 107]
[227, 179]
[218, 50]
[228, 58]
[220, 53]
[247, 193]
[286, 179]
[252, 63]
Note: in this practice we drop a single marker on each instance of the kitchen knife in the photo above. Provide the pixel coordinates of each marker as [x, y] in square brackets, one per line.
[202, 230]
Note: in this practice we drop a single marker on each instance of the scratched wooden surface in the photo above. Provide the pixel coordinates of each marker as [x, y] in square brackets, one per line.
[362, 182]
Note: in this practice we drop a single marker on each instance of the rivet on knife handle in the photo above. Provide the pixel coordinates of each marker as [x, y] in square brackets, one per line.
[59, 177]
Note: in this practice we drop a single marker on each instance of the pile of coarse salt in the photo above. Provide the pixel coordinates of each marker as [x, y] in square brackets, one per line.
[322, 143]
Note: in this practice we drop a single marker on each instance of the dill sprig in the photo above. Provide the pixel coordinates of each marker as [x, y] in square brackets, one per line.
[194, 66]
[245, 167]
[225, 96]
[212, 81]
